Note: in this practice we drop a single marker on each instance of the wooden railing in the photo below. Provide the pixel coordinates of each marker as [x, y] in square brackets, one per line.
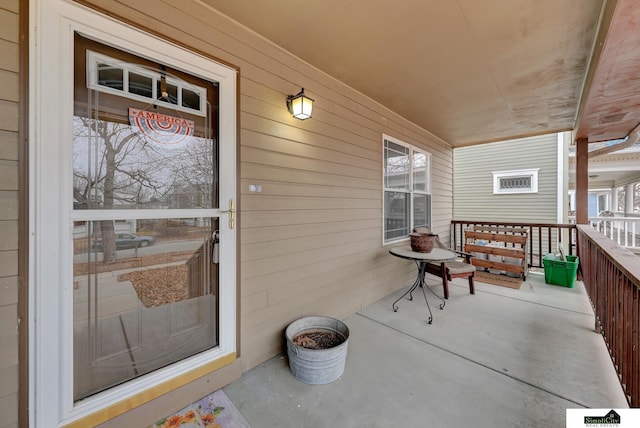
[544, 238]
[611, 275]
[202, 281]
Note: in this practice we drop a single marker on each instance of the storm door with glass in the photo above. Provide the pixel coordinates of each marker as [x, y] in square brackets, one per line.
[146, 227]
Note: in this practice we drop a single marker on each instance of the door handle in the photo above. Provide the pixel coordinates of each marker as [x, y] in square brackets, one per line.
[232, 213]
[215, 251]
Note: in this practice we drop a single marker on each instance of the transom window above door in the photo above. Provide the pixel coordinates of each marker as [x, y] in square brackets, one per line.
[143, 84]
[145, 134]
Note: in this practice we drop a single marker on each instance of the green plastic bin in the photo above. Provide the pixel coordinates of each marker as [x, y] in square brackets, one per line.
[558, 272]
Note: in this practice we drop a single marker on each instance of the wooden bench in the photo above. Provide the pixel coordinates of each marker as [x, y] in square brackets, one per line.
[502, 242]
[450, 269]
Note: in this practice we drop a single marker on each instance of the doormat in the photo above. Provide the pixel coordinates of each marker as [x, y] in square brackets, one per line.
[215, 411]
[501, 280]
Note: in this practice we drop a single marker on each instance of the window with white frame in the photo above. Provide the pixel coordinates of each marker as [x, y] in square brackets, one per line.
[407, 188]
[517, 181]
[144, 84]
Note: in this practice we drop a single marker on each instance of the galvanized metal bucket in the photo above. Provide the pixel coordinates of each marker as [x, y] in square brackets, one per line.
[317, 366]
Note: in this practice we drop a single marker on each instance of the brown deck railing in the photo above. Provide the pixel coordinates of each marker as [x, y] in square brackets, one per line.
[544, 238]
[611, 275]
[198, 284]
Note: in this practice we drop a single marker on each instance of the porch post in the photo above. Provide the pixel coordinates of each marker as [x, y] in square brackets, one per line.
[582, 181]
[628, 199]
[614, 199]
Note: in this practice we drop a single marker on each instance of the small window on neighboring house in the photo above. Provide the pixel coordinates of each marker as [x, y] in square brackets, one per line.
[519, 181]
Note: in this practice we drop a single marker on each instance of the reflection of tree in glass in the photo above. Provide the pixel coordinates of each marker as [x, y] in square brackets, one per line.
[116, 168]
[194, 171]
[101, 151]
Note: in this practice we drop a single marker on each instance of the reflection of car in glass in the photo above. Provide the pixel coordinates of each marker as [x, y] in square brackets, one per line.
[129, 240]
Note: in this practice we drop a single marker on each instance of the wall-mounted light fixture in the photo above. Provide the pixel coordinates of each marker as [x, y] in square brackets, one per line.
[300, 105]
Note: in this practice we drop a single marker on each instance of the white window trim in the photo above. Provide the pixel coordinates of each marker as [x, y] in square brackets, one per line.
[411, 191]
[497, 175]
[561, 180]
[51, 74]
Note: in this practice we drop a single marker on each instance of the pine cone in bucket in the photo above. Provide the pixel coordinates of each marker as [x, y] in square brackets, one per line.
[422, 242]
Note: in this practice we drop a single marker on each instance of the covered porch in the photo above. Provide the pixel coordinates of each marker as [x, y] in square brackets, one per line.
[502, 357]
[309, 237]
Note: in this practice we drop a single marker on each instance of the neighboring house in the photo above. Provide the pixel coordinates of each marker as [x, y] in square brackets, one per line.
[614, 180]
[614, 190]
[522, 180]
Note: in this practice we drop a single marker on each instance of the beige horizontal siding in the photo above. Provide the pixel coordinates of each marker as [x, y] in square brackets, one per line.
[294, 176]
[8, 25]
[9, 268]
[10, 5]
[282, 218]
[9, 291]
[307, 231]
[277, 278]
[8, 235]
[9, 87]
[8, 55]
[8, 348]
[10, 375]
[8, 411]
[8, 175]
[8, 145]
[311, 190]
[8, 116]
[9, 212]
[263, 157]
[8, 205]
[263, 323]
[311, 241]
[8, 334]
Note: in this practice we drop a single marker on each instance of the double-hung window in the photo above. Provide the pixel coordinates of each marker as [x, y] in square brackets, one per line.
[407, 189]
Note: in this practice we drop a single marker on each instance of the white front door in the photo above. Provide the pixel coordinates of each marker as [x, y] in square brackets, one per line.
[133, 242]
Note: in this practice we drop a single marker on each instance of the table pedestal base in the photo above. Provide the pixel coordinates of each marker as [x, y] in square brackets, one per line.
[423, 284]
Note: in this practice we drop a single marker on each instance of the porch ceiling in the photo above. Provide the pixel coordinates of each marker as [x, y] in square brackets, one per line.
[469, 71]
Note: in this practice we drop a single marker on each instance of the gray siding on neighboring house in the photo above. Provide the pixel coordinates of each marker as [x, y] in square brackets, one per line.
[8, 213]
[473, 181]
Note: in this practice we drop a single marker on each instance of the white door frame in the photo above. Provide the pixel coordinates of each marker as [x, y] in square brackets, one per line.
[52, 26]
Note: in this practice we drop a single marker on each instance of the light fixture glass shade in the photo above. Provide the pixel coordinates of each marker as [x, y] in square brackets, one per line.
[300, 105]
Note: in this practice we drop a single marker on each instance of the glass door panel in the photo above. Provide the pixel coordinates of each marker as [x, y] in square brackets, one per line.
[154, 305]
[145, 278]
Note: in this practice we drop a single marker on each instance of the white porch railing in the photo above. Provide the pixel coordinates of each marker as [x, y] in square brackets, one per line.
[625, 231]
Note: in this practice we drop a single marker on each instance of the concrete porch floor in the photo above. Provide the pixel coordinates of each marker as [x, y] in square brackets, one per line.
[500, 358]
